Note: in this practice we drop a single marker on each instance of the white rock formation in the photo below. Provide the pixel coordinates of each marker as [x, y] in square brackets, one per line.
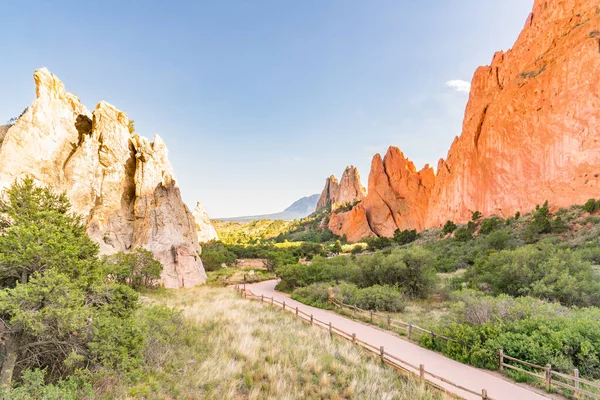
[204, 228]
[122, 185]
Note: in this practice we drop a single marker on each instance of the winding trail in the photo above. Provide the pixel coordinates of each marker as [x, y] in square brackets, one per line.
[464, 375]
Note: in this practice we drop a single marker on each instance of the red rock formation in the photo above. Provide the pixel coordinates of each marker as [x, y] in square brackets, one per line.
[348, 190]
[397, 199]
[531, 133]
[532, 125]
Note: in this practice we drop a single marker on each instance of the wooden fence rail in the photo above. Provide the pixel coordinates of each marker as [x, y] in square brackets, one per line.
[408, 327]
[398, 364]
[551, 377]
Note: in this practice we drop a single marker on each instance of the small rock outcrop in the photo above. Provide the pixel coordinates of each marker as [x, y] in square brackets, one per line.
[204, 228]
[347, 190]
[397, 199]
[122, 184]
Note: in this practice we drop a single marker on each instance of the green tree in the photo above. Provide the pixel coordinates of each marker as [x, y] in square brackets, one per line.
[591, 206]
[449, 227]
[136, 269]
[476, 216]
[405, 237]
[337, 247]
[53, 293]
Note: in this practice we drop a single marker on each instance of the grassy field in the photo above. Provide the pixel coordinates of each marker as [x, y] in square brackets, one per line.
[230, 348]
[235, 274]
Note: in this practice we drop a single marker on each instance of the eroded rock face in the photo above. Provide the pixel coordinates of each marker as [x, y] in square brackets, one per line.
[204, 228]
[397, 199]
[532, 125]
[347, 190]
[122, 185]
[531, 133]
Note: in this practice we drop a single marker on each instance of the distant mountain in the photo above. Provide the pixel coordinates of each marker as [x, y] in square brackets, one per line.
[298, 210]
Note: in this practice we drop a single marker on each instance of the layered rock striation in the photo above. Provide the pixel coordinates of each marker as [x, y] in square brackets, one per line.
[122, 184]
[531, 133]
[348, 190]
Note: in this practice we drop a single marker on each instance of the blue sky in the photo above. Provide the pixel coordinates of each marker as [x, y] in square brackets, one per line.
[259, 101]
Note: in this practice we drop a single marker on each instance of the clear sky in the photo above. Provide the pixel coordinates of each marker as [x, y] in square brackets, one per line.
[260, 100]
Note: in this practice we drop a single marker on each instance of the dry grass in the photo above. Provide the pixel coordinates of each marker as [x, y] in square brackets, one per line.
[238, 349]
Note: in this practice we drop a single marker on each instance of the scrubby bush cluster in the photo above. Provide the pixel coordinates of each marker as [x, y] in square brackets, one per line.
[526, 328]
[136, 269]
[592, 206]
[376, 297]
[408, 271]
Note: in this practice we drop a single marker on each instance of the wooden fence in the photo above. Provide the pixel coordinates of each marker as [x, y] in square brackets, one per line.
[398, 364]
[573, 383]
[408, 328]
[579, 387]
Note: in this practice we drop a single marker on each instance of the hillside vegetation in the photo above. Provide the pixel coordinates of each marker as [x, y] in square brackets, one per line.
[529, 284]
[218, 345]
[75, 326]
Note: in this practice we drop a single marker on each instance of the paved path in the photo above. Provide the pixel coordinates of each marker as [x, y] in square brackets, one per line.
[464, 375]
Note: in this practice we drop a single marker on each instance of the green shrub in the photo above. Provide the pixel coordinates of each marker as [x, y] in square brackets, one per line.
[215, 255]
[489, 225]
[136, 269]
[591, 206]
[55, 299]
[449, 227]
[378, 243]
[405, 237]
[463, 234]
[525, 328]
[540, 224]
[316, 294]
[410, 269]
[32, 386]
[476, 216]
[380, 298]
[357, 249]
[545, 270]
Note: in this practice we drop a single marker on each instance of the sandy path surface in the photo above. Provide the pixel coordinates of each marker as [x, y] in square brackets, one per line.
[464, 375]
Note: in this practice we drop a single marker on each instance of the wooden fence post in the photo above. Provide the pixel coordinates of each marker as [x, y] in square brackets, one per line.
[484, 395]
[501, 360]
[575, 382]
[354, 338]
[284, 305]
[382, 354]
[330, 331]
[296, 311]
[355, 310]
[422, 372]
[389, 321]
[272, 300]
[548, 377]
[262, 298]
[371, 316]
[311, 319]
[409, 331]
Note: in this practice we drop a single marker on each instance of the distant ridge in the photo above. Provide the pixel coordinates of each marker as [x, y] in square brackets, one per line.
[299, 209]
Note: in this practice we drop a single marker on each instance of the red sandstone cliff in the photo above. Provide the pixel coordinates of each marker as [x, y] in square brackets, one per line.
[531, 130]
[531, 133]
[347, 190]
[397, 199]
